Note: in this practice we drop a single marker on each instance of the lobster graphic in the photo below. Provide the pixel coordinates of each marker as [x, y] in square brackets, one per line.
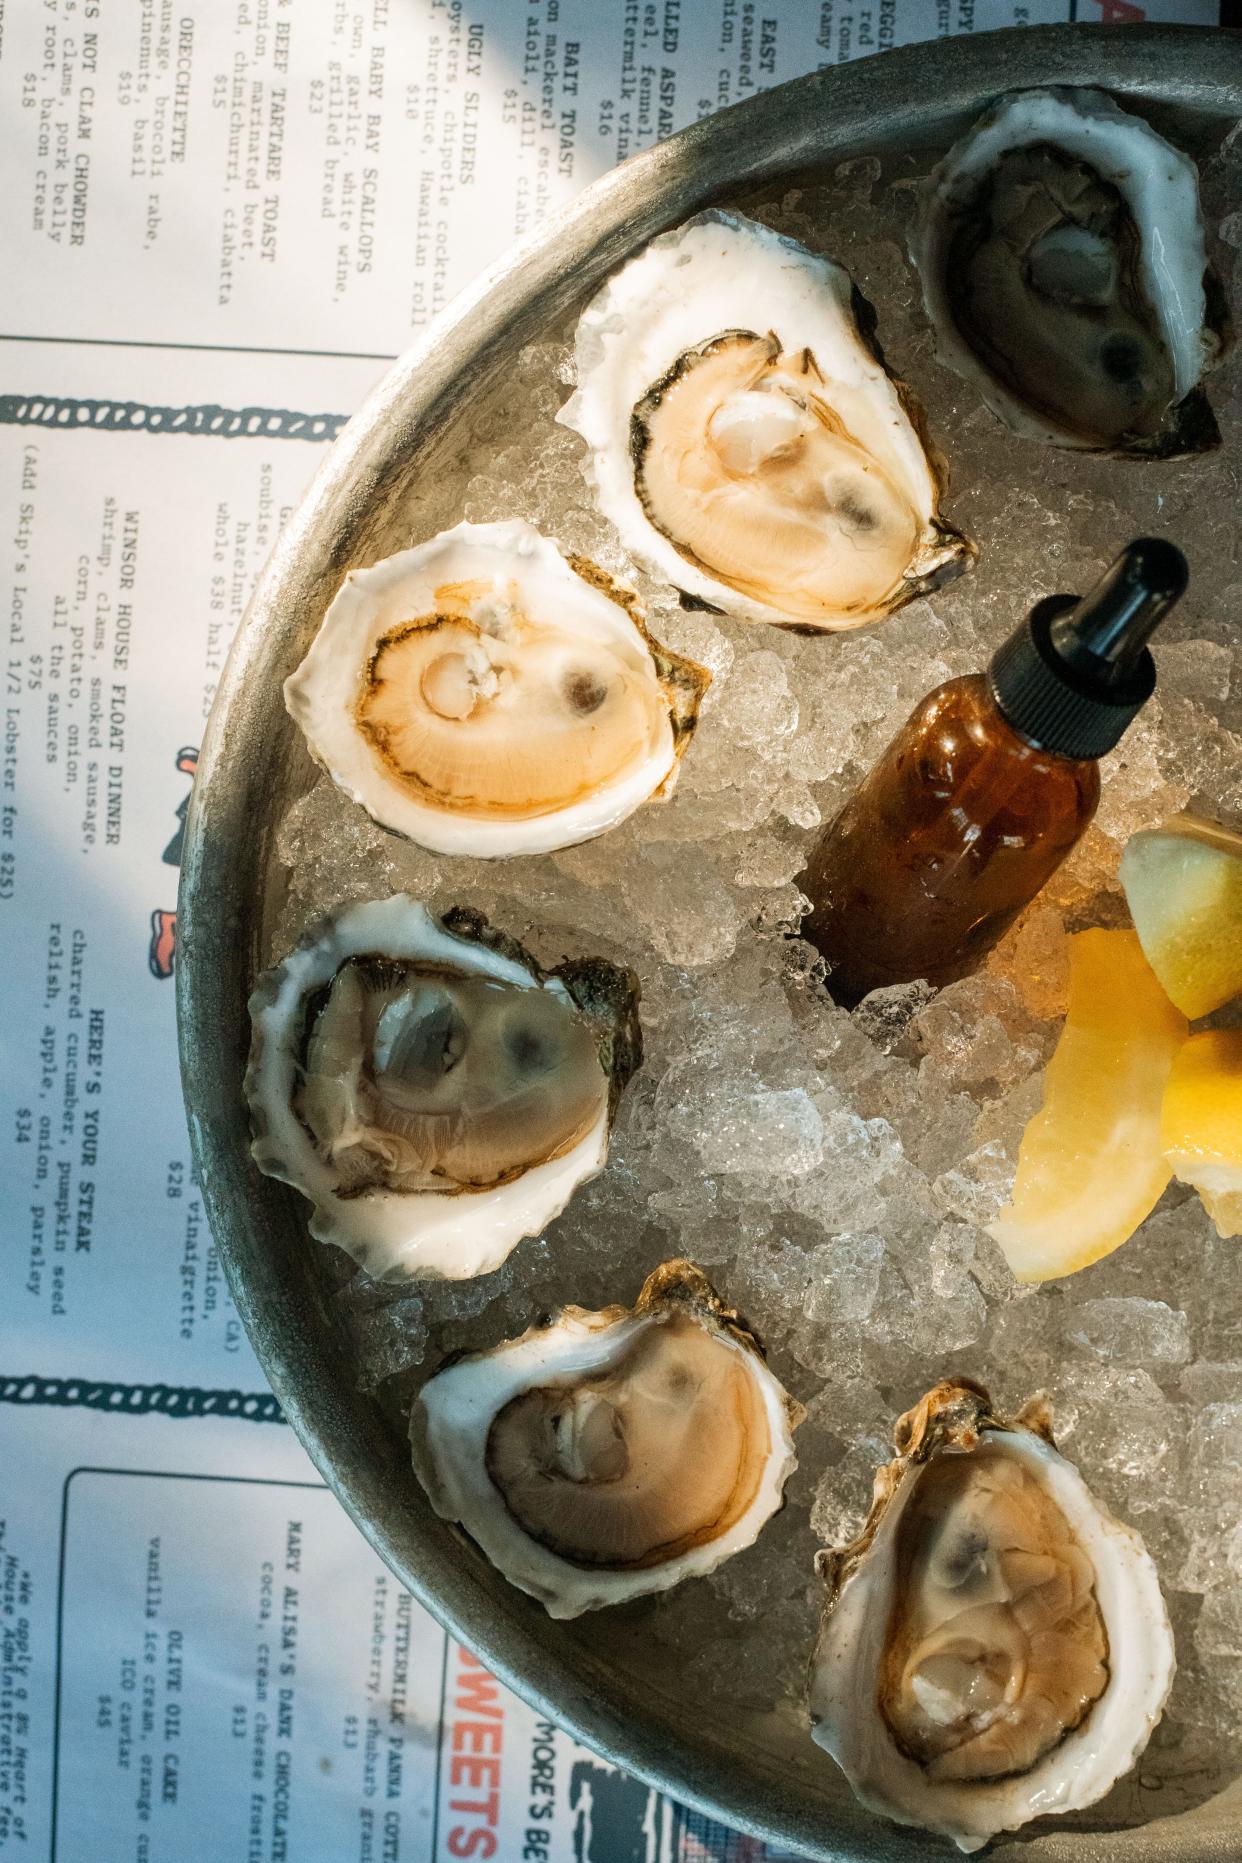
[162, 949]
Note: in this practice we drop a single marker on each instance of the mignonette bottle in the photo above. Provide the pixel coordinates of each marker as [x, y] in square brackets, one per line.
[987, 786]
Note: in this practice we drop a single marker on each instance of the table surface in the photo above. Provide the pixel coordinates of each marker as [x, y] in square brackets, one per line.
[222, 222]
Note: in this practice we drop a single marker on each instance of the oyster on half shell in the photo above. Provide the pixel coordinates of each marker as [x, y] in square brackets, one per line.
[1062, 255]
[744, 435]
[485, 695]
[995, 1645]
[434, 1093]
[605, 1455]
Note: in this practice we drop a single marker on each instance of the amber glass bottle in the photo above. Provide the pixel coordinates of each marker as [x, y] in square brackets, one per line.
[986, 787]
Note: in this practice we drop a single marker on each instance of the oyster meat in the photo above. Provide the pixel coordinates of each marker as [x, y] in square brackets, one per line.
[484, 695]
[1062, 255]
[609, 1454]
[995, 1646]
[745, 438]
[434, 1093]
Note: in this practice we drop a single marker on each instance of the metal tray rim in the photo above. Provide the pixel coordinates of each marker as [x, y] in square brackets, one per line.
[918, 93]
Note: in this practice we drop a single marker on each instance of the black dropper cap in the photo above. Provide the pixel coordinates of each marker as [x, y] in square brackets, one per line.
[1077, 672]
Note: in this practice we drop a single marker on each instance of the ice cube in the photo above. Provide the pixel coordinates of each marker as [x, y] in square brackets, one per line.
[1132, 1330]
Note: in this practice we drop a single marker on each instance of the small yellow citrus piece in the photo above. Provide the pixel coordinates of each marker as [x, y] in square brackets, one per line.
[1201, 1126]
[1091, 1165]
[1183, 882]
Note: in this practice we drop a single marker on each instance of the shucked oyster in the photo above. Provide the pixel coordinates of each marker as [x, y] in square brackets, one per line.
[483, 695]
[1062, 255]
[433, 1092]
[745, 438]
[609, 1454]
[995, 1645]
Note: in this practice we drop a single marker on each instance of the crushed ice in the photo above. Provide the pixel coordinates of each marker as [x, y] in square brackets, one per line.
[834, 1172]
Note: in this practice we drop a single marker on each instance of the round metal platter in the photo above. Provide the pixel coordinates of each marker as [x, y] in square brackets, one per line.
[764, 1775]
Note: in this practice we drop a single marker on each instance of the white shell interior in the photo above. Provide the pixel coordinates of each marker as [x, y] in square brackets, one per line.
[721, 271]
[847, 1720]
[449, 1432]
[321, 695]
[1160, 186]
[391, 1234]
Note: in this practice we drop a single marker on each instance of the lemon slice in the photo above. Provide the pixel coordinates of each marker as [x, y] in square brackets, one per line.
[1091, 1164]
[1183, 882]
[1201, 1125]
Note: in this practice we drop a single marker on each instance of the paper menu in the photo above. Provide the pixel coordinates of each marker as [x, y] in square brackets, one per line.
[200, 1660]
[284, 176]
[220, 221]
[135, 523]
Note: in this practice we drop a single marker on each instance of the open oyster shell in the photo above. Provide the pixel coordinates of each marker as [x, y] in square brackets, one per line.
[605, 1455]
[486, 696]
[995, 1645]
[745, 437]
[434, 1093]
[1062, 255]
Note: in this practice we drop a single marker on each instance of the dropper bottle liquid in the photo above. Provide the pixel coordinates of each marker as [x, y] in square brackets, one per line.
[987, 786]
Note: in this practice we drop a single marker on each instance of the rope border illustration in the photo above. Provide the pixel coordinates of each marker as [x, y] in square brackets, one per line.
[140, 1400]
[66, 414]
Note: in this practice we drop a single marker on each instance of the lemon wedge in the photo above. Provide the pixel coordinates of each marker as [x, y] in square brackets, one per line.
[1091, 1165]
[1183, 882]
[1201, 1125]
